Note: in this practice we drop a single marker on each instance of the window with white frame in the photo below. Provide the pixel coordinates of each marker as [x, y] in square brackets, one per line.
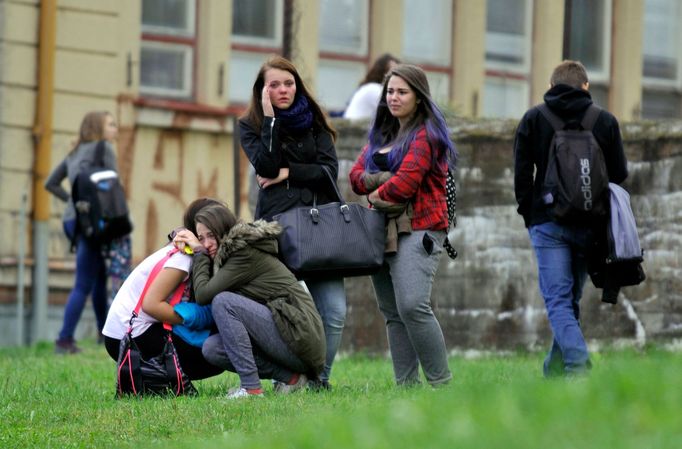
[256, 34]
[589, 31]
[257, 22]
[427, 32]
[242, 73]
[661, 104]
[507, 37]
[167, 48]
[343, 38]
[439, 85]
[427, 41]
[343, 26]
[505, 97]
[336, 82]
[662, 39]
[662, 59]
[507, 55]
[600, 94]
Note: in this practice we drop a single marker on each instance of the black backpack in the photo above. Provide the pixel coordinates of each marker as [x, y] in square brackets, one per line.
[100, 202]
[451, 201]
[576, 184]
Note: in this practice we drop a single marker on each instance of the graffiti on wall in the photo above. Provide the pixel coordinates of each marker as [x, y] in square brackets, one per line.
[163, 169]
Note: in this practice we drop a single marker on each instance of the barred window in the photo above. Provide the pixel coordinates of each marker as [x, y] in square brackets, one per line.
[168, 48]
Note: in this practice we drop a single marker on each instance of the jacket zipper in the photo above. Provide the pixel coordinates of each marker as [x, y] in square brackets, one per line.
[272, 126]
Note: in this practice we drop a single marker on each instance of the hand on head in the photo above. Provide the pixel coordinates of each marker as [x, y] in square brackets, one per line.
[185, 237]
[268, 111]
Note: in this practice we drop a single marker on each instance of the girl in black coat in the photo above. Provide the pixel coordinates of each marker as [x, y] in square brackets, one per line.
[288, 139]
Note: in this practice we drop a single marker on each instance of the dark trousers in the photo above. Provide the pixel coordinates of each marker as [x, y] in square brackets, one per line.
[91, 278]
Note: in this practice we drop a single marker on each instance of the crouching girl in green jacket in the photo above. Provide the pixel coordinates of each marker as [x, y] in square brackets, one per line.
[267, 321]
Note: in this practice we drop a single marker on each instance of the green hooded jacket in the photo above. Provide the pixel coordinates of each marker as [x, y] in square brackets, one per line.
[247, 264]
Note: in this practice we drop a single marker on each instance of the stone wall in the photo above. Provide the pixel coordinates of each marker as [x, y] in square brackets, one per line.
[488, 297]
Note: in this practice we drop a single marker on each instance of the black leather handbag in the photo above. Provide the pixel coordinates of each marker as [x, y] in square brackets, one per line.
[334, 239]
[158, 375]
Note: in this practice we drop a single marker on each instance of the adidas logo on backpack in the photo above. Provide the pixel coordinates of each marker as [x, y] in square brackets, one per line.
[575, 189]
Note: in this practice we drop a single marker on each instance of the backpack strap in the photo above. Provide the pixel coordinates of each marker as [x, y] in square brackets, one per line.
[587, 123]
[177, 294]
[551, 117]
[590, 117]
[99, 153]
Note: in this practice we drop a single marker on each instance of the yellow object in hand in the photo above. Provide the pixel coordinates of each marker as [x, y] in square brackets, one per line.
[188, 250]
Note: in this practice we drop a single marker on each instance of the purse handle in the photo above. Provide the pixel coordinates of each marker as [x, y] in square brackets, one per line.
[177, 294]
[327, 172]
[343, 207]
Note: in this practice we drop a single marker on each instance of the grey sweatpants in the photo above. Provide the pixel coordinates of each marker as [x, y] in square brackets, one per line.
[248, 342]
[403, 289]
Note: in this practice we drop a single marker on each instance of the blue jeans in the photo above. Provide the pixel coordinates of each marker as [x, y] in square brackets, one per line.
[91, 278]
[562, 271]
[330, 300]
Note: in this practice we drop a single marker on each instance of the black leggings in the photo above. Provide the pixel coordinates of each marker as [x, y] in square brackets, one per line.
[151, 343]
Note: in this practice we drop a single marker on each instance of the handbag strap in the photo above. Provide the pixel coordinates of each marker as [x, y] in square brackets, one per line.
[327, 172]
[177, 294]
[343, 207]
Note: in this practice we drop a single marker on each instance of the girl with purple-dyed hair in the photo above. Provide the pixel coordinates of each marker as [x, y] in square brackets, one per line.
[402, 170]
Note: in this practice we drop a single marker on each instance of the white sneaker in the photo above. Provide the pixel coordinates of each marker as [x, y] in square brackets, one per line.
[236, 393]
[282, 388]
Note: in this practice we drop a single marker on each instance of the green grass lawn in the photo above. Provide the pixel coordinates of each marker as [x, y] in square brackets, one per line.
[631, 400]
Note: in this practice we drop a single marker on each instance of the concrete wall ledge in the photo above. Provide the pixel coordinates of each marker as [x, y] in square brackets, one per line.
[488, 299]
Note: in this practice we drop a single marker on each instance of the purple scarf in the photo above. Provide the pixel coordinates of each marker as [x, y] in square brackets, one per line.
[298, 117]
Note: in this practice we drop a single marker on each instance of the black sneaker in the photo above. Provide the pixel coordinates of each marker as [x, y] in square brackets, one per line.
[319, 385]
[66, 346]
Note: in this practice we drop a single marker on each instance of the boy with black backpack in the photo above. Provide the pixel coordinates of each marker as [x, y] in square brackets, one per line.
[566, 151]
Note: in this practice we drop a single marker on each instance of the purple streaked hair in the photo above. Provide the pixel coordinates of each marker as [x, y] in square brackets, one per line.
[386, 128]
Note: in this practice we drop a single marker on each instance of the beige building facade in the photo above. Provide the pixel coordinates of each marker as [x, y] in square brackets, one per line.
[177, 74]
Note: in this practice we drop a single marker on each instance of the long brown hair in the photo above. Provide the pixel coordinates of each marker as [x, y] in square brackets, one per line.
[92, 127]
[386, 128]
[218, 218]
[379, 69]
[189, 217]
[254, 114]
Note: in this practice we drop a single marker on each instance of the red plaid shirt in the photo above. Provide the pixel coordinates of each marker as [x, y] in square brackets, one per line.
[416, 180]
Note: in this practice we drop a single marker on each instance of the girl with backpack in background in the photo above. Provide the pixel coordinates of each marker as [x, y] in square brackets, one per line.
[409, 138]
[91, 266]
